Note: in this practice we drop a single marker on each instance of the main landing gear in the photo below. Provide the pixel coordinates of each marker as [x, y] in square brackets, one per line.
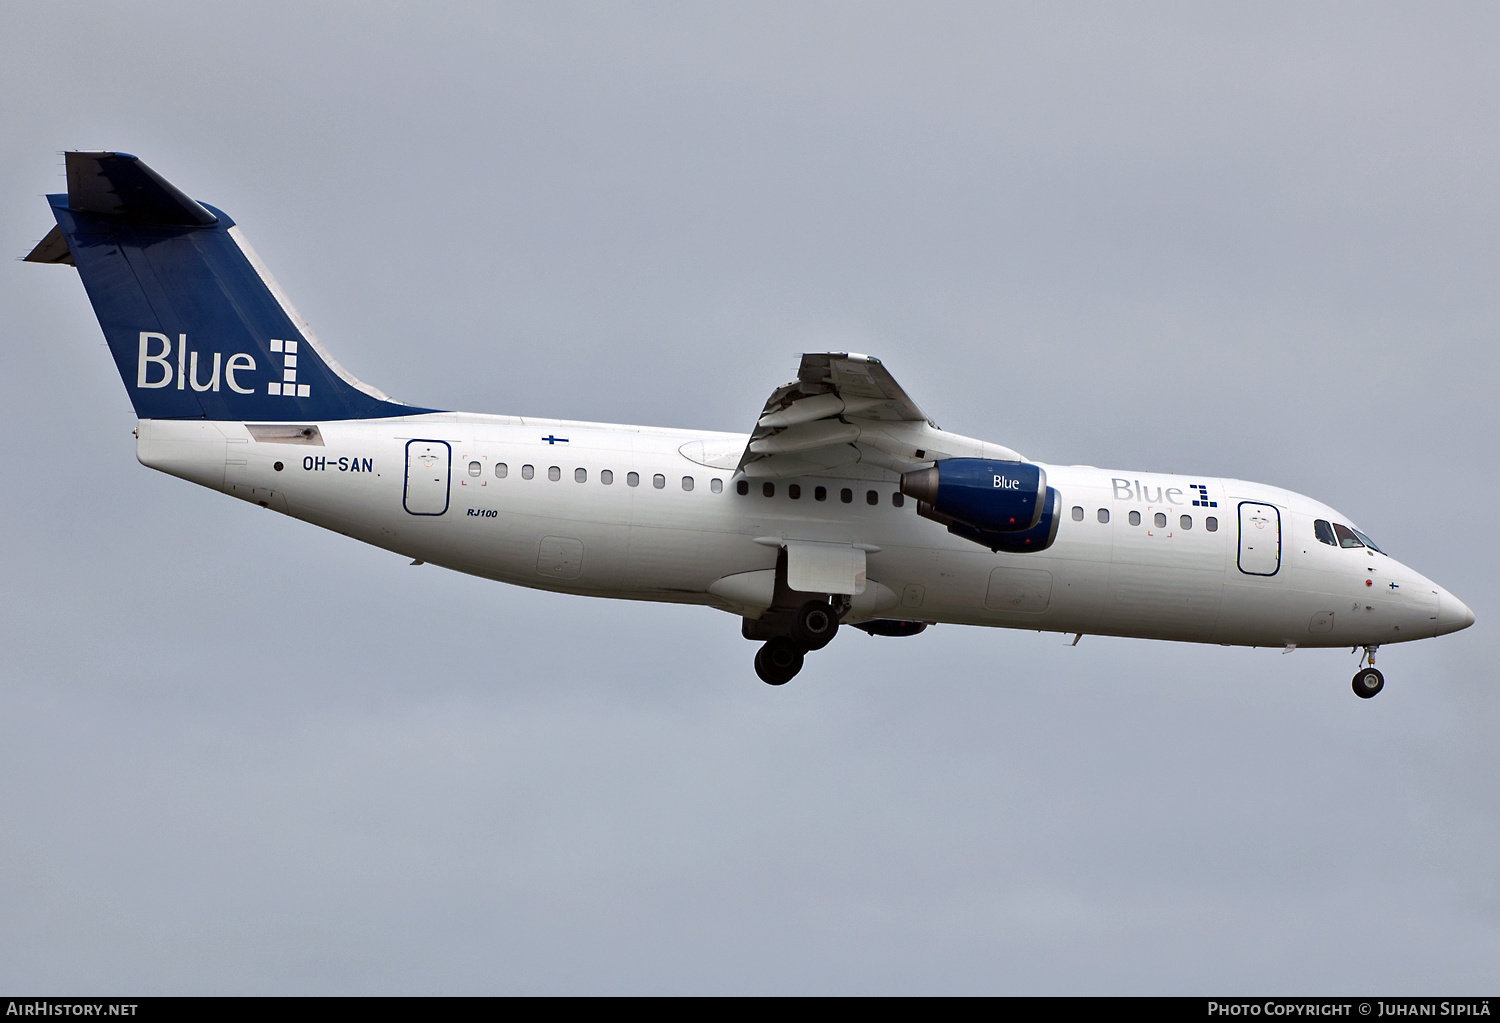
[1368, 681]
[778, 661]
[811, 627]
[790, 635]
[815, 624]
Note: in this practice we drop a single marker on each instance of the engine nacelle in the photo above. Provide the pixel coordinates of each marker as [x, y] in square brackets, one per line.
[1038, 538]
[993, 496]
[1005, 506]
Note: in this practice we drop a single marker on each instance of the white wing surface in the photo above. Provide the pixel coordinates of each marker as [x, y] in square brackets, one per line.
[846, 410]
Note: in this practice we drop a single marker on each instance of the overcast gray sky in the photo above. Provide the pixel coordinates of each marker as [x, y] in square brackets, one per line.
[240, 754]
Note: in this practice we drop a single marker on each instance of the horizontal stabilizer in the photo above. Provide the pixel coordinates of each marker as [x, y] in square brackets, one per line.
[51, 249]
[122, 186]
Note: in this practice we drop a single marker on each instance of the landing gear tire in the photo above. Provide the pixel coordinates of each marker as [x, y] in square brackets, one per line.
[778, 661]
[1368, 682]
[814, 625]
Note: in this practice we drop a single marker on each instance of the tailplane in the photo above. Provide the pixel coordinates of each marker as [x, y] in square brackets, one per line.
[198, 327]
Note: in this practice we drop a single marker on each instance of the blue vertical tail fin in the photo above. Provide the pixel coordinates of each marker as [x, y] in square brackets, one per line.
[198, 327]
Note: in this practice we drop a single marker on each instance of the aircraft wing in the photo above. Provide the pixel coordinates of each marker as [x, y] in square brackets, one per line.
[846, 410]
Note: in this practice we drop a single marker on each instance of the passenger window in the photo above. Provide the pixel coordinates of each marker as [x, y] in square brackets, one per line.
[475, 468]
[554, 473]
[1135, 518]
[687, 483]
[846, 495]
[1103, 514]
[1211, 524]
[606, 476]
[1186, 522]
[742, 487]
[659, 481]
[820, 493]
[716, 485]
[794, 491]
[580, 475]
[871, 497]
[500, 470]
[632, 479]
[1161, 520]
[1346, 536]
[1078, 513]
[768, 488]
[527, 472]
[898, 499]
[1323, 530]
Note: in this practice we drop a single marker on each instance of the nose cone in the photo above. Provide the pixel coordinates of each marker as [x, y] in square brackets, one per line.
[1453, 614]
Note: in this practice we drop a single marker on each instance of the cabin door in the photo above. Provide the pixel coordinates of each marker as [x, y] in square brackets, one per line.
[1260, 538]
[427, 465]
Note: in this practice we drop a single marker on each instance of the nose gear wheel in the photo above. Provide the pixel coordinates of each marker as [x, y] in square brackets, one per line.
[1368, 682]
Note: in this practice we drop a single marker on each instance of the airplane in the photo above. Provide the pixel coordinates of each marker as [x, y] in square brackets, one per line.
[845, 505]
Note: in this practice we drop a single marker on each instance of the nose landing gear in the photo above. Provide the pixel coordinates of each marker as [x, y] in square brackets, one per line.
[1368, 681]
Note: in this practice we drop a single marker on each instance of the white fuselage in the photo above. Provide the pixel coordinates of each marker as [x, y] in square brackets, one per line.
[578, 534]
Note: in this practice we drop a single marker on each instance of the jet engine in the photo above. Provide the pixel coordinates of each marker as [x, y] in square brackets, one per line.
[1005, 506]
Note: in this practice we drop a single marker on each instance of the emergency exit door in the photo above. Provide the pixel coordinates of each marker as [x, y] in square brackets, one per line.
[1260, 538]
[427, 468]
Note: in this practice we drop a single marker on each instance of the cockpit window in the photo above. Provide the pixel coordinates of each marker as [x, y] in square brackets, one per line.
[1346, 536]
[1324, 532]
[1367, 541]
